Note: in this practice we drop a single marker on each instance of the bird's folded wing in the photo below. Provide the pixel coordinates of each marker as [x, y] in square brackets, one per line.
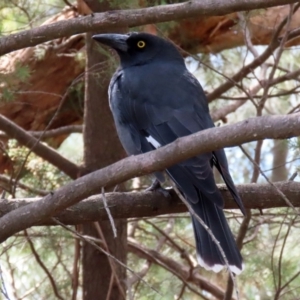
[194, 176]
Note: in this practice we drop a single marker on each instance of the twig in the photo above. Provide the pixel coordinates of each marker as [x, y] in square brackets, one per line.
[147, 265]
[11, 272]
[64, 130]
[44, 151]
[247, 34]
[286, 21]
[239, 241]
[24, 186]
[279, 288]
[245, 70]
[182, 251]
[288, 282]
[179, 270]
[3, 286]
[111, 219]
[70, 5]
[294, 175]
[75, 273]
[282, 195]
[111, 283]
[41, 264]
[37, 142]
[111, 263]
[217, 243]
[89, 240]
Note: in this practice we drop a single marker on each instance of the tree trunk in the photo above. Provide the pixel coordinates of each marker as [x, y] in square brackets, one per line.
[101, 148]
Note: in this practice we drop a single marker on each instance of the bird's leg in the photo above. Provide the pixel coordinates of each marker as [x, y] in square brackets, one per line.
[156, 186]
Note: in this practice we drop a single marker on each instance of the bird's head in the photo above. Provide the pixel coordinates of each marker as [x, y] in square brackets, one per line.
[140, 48]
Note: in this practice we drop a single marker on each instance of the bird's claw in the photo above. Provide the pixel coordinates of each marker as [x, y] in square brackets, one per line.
[156, 187]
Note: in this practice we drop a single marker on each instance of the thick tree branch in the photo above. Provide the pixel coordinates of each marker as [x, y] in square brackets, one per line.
[275, 127]
[149, 204]
[130, 18]
[40, 149]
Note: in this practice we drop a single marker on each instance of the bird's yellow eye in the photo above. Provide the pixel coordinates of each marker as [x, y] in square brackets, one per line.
[141, 44]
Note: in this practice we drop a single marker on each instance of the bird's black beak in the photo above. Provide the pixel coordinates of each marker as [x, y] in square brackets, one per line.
[113, 40]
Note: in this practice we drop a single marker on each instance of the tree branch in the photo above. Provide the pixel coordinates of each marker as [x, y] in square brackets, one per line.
[40, 149]
[179, 270]
[202, 142]
[64, 130]
[258, 61]
[11, 182]
[150, 204]
[129, 18]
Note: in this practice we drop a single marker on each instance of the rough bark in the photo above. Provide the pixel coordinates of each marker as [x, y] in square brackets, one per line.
[101, 148]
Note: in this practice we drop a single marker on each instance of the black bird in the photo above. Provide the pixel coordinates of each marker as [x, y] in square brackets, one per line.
[155, 100]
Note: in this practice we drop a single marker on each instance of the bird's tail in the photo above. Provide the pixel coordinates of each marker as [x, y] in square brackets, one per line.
[208, 253]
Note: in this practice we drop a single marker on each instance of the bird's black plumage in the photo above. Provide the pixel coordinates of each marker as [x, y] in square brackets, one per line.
[154, 101]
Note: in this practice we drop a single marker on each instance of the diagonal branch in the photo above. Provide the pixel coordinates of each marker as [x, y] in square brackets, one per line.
[64, 130]
[40, 149]
[129, 18]
[202, 142]
[42, 265]
[179, 270]
[9, 182]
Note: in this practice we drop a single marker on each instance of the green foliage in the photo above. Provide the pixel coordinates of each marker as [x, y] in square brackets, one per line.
[22, 72]
[34, 171]
[7, 95]
[23, 14]
[54, 248]
[10, 82]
